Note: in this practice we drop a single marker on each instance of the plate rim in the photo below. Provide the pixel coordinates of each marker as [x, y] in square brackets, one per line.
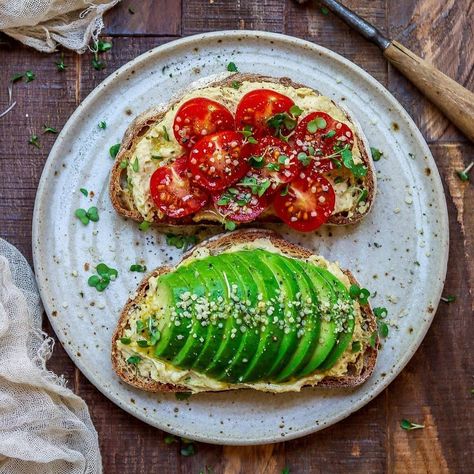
[317, 49]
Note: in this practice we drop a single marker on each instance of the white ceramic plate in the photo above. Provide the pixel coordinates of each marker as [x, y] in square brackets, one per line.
[399, 251]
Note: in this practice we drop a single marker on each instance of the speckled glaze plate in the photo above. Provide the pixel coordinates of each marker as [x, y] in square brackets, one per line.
[399, 251]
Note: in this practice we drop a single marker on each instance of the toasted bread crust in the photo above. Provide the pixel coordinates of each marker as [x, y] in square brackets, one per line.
[124, 205]
[216, 245]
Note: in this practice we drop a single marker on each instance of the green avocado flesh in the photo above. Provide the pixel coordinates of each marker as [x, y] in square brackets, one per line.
[251, 316]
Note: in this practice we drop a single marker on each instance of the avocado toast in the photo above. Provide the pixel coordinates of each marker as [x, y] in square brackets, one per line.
[245, 310]
[149, 143]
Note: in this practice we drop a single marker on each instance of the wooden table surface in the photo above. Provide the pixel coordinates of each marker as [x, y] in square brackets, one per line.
[436, 386]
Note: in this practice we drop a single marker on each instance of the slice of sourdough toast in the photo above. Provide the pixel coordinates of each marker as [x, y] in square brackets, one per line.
[357, 371]
[124, 198]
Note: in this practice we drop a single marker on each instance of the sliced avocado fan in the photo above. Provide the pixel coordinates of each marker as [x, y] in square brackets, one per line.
[250, 316]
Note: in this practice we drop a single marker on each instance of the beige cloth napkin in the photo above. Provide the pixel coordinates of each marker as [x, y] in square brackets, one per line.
[43, 24]
[44, 427]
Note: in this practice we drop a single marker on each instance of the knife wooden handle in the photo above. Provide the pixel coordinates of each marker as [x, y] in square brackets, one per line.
[454, 100]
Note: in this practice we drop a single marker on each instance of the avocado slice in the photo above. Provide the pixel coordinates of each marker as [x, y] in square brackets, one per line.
[270, 338]
[201, 279]
[239, 363]
[288, 290]
[215, 330]
[232, 335]
[327, 336]
[344, 337]
[310, 322]
[173, 336]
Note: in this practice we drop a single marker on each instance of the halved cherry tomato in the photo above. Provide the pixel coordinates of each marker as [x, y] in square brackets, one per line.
[274, 159]
[199, 117]
[242, 202]
[216, 161]
[308, 202]
[173, 192]
[256, 107]
[318, 134]
[323, 165]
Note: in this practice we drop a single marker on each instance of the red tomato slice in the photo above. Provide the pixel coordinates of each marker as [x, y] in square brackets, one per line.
[308, 203]
[323, 165]
[318, 133]
[274, 159]
[173, 192]
[216, 161]
[256, 107]
[200, 117]
[240, 204]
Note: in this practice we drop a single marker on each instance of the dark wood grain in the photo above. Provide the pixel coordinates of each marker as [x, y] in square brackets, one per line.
[435, 386]
[144, 17]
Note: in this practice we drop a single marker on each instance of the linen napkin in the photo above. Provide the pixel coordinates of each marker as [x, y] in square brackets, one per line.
[44, 427]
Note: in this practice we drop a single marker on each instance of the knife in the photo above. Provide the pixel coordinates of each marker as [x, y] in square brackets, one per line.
[456, 102]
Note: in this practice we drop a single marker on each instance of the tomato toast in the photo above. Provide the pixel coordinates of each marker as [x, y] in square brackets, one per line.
[246, 149]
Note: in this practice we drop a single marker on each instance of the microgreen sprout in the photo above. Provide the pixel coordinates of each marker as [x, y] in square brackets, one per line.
[448, 299]
[104, 276]
[409, 425]
[114, 149]
[138, 268]
[231, 67]
[92, 214]
[47, 129]
[182, 241]
[144, 226]
[34, 140]
[361, 294]
[464, 174]
[102, 125]
[376, 153]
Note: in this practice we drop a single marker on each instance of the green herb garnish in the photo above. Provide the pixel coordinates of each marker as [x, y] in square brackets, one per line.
[97, 65]
[84, 191]
[273, 166]
[104, 276]
[93, 214]
[257, 187]
[231, 67]
[256, 161]
[103, 46]
[125, 340]
[134, 360]
[170, 439]
[165, 134]
[408, 425]
[330, 134]
[81, 214]
[464, 174]
[114, 149]
[380, 312]
[376, 154]
[448, 299]
[325, 11]
[144, 226]
[34, 140]
[373, 339]
[123, 164]
[356, 347]
[102, 125]
[16, 77]
[30, 76]
[135, 165]
[138, 268]
[295, 110]
[361, 294]
[236, 84]
[284, 190]
[61, 67]
[229, 225]
[304, 158]
[182, 241]
[362, 196]
[47, 129]
[316, 124]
